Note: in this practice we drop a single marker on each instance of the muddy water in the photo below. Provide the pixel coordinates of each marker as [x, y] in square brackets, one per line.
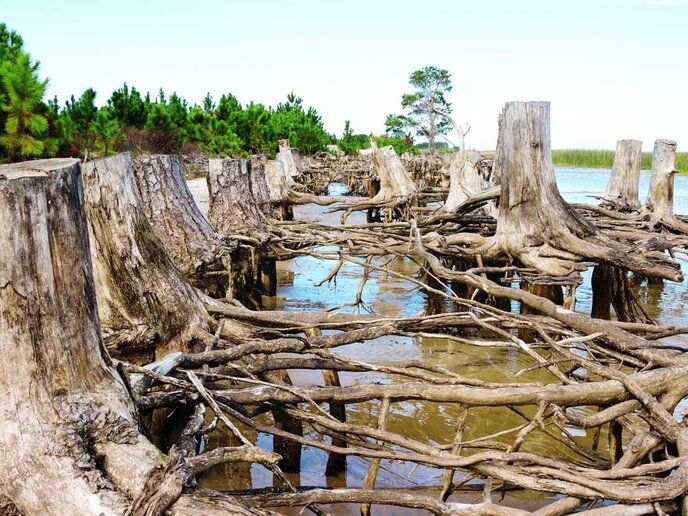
[432, 423]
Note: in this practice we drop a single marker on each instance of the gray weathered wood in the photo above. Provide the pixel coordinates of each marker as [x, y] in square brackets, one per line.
[145, 303]
[622, 189]
[196, 249]
[70, 443]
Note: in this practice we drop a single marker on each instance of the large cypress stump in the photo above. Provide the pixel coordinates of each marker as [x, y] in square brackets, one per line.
[535, 224]
[69, 434]
[395, 182]
[196, 249]
[234, 210]
[145, 303]
[622, 189]
[659, 206]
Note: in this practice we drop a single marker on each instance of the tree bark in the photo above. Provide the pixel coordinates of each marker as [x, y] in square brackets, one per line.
[145, 303]
[290, 158]
[279, 186]
[622, 189]
[535, 224]
[602, 283]
[395, 182]
[234, 210]
[465, 179]
[233, 207]
[70, 439]
[659, 206]
[196, 249]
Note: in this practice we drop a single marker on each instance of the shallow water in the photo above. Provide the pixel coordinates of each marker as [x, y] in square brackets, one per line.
[433, 423]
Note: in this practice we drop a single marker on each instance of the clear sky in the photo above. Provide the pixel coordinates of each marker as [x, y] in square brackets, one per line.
[611, 68]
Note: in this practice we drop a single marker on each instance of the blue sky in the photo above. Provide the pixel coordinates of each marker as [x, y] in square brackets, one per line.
[611, 68]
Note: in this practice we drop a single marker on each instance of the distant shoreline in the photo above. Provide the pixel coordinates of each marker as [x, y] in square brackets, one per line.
[605, 159]
[588, 158]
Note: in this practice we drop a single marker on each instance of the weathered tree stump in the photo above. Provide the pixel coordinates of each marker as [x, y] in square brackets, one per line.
[290, 159]
[196, 249]
[622, 189]
[70, 439]
[535, 224]
[233, 207]
[145, 303]
[465, 179]
[659, 206]
[234, 210]
[396, 191]
[395, 182]
[278, 182]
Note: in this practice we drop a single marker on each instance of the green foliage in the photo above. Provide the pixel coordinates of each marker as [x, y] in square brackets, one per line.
[128, 107]
[215, 136]
[21, 102]
[105, 130]
[351, 143]
[256, 130]
[426, 106]
[438, 145]
[303, 129]
[588, 158]
[74, 123]
[166, 124]
[401, 145]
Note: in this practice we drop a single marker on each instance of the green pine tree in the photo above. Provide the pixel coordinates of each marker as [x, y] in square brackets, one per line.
[25, 128]
[106, 131]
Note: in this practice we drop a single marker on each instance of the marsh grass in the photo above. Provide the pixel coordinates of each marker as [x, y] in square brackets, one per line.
[605, 159]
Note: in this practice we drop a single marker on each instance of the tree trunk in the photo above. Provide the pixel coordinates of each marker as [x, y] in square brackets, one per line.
[659, 206]
[602, 282]
[233, 207]
[465, 180]
[290, 158]
[234, 211]
[395, 182]
[145, 303]
[622, 189]
[69, 434]
[196, 249]
[534, 223]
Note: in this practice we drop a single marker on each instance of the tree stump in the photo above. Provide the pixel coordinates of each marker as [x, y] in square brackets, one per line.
[290, 159]
[196, 249]
[659, 206]
[278, 182]
[535, 224]
[235, 211]
[622, 189]
[395, 182]
[145, 303]
[70, 439]
[465, 180]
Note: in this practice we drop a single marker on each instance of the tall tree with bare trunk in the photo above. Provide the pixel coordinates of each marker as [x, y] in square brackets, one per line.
[426, 106]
